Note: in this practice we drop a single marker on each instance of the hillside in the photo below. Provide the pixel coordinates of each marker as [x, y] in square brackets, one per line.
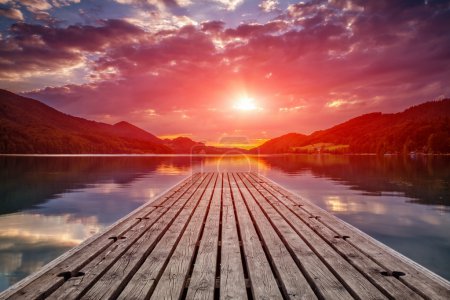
[29, 126]
[282, 144]
[422, 128]
[125, 129]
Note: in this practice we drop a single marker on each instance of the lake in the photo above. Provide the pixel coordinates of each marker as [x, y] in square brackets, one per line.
[50, 204]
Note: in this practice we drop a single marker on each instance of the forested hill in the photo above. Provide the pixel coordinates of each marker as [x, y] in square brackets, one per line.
[29, 126]
[422, 128]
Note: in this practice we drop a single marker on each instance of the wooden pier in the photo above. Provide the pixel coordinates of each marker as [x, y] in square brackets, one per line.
[230, 236]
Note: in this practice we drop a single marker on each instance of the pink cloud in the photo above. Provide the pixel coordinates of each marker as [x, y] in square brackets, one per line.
[360, 56]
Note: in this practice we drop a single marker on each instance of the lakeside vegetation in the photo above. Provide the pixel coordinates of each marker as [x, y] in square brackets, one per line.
[423, 128]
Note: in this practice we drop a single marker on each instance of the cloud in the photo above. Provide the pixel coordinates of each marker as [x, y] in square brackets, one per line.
[35, 5]
[39, 9]
[37, 49]
[229, 4]
[11, 13]
[269, 5]
[213, 26]
[349, 57]
[256, 30]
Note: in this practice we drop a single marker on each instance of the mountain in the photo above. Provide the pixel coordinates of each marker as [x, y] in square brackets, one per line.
[282, 144]
[422, 128]
[184, 145]
[29, 126]
[125, 129]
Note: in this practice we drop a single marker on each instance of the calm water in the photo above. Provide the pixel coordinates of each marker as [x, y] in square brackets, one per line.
[50, 204]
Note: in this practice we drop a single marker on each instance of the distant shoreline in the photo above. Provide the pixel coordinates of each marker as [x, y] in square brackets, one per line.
[211, 155]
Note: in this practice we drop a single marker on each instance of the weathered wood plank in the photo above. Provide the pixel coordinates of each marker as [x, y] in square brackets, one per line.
[262, 280]
[324, 282]
[115, 279]
[417, 278]
[232, 279]
[45, 281]
[203, 279]
[144, 280]
[293, 282]
[354, 268]
[356, 281]
[149, 227]
[172, 281]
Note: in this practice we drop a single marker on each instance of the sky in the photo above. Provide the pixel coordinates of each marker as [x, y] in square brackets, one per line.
[215, 69]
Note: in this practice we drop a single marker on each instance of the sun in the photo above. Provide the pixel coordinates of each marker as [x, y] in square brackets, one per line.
[245, 103]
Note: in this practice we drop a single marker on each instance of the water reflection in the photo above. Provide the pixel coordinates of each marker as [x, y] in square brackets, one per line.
[50, 204]
[424, 179]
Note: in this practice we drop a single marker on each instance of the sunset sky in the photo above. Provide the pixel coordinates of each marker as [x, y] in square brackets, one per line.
[213, 68]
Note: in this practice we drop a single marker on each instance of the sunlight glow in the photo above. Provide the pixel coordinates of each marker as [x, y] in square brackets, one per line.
[245, 103]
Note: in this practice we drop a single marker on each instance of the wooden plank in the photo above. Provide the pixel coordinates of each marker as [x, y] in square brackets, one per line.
[232, 279]
[203, 279]
[110, 284]
[352, 266]
[45, 281]
[102, 265]
[293, 282]
[354, 275]
[417, 278]
[172, 281]
[145, 279]
[262, 281]
[325, 284]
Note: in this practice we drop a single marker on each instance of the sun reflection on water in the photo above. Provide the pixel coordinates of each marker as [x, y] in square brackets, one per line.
[170, 169]
[36, 228]
[348, 205]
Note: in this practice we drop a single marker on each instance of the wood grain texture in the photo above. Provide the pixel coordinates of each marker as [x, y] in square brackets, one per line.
[422, 281]
[232, 278]
[98, 270]
[323, 280]
[172, 281]
[293, 282]
[145, 278]
[119, 274]
[262, 280]
[203, 279]
[357, 284]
